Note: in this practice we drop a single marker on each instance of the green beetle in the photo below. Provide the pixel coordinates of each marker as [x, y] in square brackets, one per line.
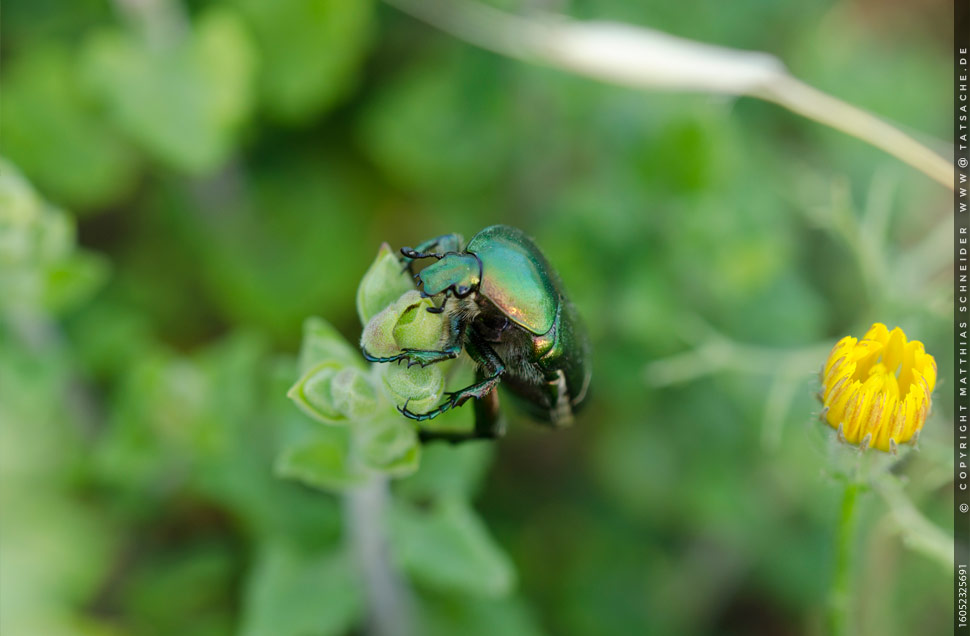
[507, 309]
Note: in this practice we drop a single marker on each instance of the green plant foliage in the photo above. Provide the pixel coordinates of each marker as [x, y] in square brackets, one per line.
[310, 51]
[478, 617]
[455, 103]
[247, 237]
[43, 107]
[184, 103]
[293, 593]
[323, 462]
[383, 284]
[334, 389]
[40, 269]
[449, 549]
[448, 472]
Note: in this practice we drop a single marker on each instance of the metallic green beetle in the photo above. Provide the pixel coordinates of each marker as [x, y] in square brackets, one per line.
[507, 308]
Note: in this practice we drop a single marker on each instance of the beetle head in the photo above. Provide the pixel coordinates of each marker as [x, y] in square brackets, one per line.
[459, 274]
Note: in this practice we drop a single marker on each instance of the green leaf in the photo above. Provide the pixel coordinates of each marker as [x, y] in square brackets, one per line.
[56, 136]
[321, 341]
[290, 593]
[322, 462]
[446, 125]
[448, 470]
[109, 336]
[353, 394]
[310, 52]
[313, 394]
[448, 547]
[333, 394]
[72, 281]
[40, 269]
[184, 104]
[384, 282]
[471, 616]
[285, 249]
[181, 591]
[390, 444]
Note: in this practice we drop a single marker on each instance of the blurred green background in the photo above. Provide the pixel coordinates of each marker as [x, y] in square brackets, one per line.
[198, 177]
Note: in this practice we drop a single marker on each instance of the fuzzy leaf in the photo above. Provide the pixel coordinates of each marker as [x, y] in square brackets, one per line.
[291, 593]
[383, 283]
[321, 463]
[42, 107]
[353, 394]
[449, 471]
[391, 445]
[321, 341]
[449, 548]
[310, 52]
[313, 393]
[184, 105]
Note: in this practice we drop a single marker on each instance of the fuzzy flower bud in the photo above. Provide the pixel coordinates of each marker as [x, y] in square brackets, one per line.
[405, 324]
[418, 387]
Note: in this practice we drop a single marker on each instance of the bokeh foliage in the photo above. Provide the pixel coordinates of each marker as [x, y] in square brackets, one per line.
[189, 181]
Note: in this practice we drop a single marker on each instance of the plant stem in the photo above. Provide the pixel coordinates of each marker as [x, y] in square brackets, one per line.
[648, 59]
[840, 595]
[388, 599]
[918, 532]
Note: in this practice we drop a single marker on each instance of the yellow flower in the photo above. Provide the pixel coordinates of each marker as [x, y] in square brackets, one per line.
[876, 391]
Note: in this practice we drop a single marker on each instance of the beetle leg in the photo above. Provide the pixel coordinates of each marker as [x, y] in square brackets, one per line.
[560, 407]
[489, 423]
[492, 369]
[424, 357]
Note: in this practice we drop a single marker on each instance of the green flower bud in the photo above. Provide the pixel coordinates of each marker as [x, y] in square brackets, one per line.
[406, 323]
[383, 283]
[378, 336]
[333, 393]
[418, 387]
[418, 328]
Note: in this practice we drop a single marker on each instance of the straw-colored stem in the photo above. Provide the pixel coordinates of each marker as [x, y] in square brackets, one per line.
[644, 58]
[800, 98]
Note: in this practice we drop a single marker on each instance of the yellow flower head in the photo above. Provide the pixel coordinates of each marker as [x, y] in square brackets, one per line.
[876, 391]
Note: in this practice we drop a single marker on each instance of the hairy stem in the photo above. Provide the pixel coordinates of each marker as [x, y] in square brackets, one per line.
[388, 599]
[917, 532]
[839, 598]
